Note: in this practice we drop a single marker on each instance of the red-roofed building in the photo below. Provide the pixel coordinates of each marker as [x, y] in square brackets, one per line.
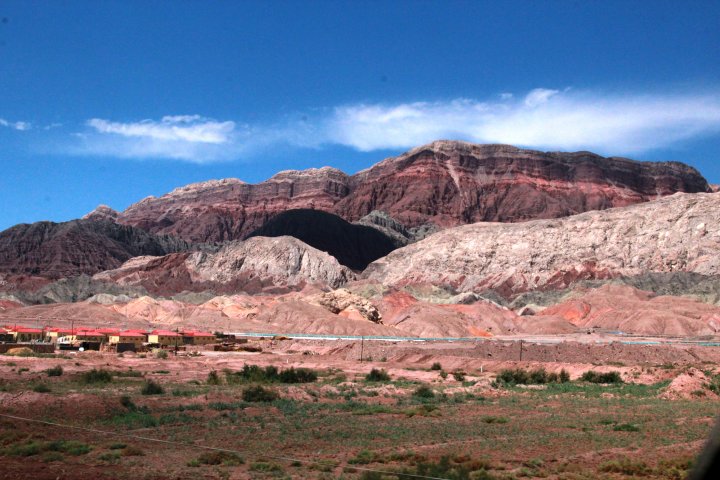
[54, 333]
[25, 334]
[129, 336]
[165, 338]
[90, 336]
[197, 338]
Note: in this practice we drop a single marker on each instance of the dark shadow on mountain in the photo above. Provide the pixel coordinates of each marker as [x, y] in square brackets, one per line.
[354, 246]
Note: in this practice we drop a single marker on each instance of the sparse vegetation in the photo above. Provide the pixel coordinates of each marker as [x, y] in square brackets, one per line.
[54, 371]
[538, 376]
[96, 376]
[258, 393]
[592, 376]
[41, 388]
[377, 375]
[436, 366]
[152, 388]
[271, 374]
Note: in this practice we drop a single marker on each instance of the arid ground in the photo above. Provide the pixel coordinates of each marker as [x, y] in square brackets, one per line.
[446, 410]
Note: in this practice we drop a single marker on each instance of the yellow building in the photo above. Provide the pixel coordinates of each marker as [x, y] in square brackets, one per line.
[166, 338]
[54, 333]
[198, 338]
[135, 338]
[23, 334]
[91, 336]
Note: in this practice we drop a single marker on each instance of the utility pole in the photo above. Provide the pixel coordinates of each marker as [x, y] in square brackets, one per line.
[521, 348]
[362, 348]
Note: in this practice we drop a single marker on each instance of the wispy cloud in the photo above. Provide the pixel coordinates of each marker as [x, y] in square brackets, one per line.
[21, 126]
[180, 137]
[542, 118]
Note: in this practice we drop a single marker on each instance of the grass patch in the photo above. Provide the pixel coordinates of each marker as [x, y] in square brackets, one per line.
[626, 466]
[626, 427]
[32, 447]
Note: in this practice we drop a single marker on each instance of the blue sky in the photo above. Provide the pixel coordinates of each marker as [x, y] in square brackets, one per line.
[108, 102]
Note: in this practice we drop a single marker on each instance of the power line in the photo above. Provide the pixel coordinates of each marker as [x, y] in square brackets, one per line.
[206, 447]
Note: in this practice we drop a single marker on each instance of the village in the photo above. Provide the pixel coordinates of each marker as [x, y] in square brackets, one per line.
[48, 339]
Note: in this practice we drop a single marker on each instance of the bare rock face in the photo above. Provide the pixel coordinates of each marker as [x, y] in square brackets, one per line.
[259, 264]
[222, 210]
[674, 234]
[57, 250]
[346, 303]
[454, 183]
[102, 213]
[439, 185]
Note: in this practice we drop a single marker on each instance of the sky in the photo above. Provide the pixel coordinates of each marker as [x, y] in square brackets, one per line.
[109, 102]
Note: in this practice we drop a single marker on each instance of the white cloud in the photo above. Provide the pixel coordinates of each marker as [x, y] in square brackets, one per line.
[181, 137]
[21, 126]
[539, 96]
[544, 118]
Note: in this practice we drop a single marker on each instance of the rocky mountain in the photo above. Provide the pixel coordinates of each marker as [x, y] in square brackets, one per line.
[442, 184]
[57, 250]
[224, 210]
[672, 234]
[354, 246]
[256, 265]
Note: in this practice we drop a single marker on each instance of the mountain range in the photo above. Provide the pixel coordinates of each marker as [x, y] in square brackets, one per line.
[442, 234]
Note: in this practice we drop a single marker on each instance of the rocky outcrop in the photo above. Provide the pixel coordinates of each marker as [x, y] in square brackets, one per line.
[453, 183]
[102, 213]
[58, 250]
[223, 210]
[345, 303]
[673, 234]
[439, 185]
[259, 264]
[354, 246]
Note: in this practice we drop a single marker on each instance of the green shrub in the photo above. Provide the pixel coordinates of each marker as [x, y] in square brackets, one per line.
[436, 366]
[271, 374]
[626, 467]
[598, 377]
[161, 354]
[213, 378]
[300, 375]
[41, 388]
[132, 451]
[538, 376]
[96, 376]
[151, 388]
[626, 427]
[54, 371]
[364, 457]
[424, 391]
[220, 458]
[459, 375]
[490, 419]
[258, 393]
[266, 467]
[376, 375]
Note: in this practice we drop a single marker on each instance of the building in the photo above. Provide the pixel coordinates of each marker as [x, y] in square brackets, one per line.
[6, 335]
[52, 334]
[165, 338]
[129, 336]
[197, 338]
[24, 334]
[90, 336]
